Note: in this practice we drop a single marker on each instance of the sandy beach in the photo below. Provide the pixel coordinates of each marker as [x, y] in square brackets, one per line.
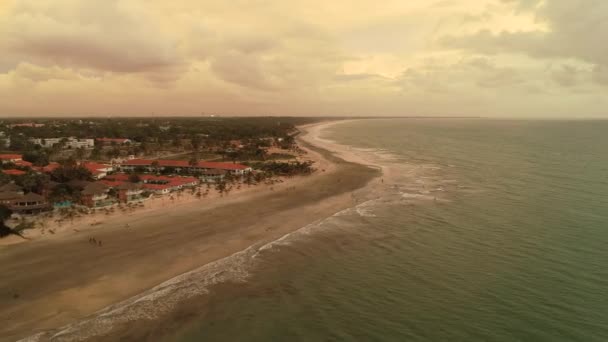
[56, 280]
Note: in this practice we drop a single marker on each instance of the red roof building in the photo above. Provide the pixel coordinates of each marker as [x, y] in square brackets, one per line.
[13, 172]
[11, 157]
[23, 163]
[157, 184]
[118, 141]
[97, 170]
[47, 169]
[235, 168]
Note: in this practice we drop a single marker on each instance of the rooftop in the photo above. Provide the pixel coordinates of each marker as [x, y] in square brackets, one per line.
[186, 163]
[13, 172]
[10, 156]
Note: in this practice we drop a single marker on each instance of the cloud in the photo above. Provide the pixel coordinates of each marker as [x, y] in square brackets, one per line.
[102, 35]
[442, 57]
[566, 75]
[36, 73]
[575, 29]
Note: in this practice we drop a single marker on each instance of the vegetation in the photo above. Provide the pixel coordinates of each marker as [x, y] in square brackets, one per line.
[69, 172]
[286, 168]
[5, 214]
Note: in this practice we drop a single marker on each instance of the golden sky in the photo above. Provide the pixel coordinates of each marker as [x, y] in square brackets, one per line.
[494, 58]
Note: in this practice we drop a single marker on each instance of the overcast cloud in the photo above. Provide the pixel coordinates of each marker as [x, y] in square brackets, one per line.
[495, 58]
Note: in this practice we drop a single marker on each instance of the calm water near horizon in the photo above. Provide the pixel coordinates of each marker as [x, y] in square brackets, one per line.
[500, 234]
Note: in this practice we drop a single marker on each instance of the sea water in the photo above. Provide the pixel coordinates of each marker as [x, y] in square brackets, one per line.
[495, 230]
[481, 230]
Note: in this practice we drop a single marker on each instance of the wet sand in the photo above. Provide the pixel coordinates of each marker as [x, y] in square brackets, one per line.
[49, 283]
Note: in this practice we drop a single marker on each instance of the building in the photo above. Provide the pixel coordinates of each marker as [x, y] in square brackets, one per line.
[69, 143]
[30, 203]
[27, 124]
[24, 163]
[48, 168]
[14, 172]
[5, 140]
[9, 193]
[213, 176]
[8, 197]
[130, 192]
[95, 195]
[113, 141]
[10, 158]
[148, 165]
[159, 185]
[98, 170]
[11, 187]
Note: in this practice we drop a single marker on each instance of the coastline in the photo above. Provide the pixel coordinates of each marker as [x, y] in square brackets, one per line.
[79, 280]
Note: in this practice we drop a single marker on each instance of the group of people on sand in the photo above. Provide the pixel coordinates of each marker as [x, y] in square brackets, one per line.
[95, 242]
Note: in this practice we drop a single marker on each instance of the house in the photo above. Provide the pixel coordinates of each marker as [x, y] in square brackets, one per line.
[27, 124]
[10, 158]
[6, 139]
[8, 197]
[95, 195]
[30, 203]
[179, 165]
[156, 184]
[98, 170]
[47, 169]
[113, 141]
[11, 187]
[23, 163]
[70, 142]
[129, 192]
[213, 176]
[14, 172]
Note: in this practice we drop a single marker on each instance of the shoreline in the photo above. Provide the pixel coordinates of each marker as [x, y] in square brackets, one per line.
[134, 260]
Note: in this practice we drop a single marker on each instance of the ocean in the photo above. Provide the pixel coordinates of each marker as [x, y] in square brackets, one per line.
[480, 230]
[491, 230]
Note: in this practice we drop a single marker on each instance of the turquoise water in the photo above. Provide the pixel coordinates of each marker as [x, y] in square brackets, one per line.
[490, 231]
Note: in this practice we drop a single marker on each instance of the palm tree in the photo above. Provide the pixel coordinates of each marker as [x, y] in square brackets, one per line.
[193, 162]
[155, 165]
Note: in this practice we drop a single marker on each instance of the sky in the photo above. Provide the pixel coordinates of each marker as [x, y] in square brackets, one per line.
[490, 58]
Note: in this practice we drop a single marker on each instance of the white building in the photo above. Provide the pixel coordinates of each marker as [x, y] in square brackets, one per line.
[6, 139]
[70, 143]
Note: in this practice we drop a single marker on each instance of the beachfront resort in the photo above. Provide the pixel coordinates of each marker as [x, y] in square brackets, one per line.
[55, 167]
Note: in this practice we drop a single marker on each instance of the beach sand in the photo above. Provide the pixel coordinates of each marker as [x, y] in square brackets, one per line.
[53, 281]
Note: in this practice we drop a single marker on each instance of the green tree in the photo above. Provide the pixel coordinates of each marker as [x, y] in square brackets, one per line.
[5, 214]
[81, 153]
[155, 165]
[134, 178]
[68, 172]
[32, 182]
[38, 158]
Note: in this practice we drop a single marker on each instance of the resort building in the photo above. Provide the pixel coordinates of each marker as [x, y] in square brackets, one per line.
[48, 168]
[9, 193]
[148, 165]
[68, 143]
[113, 141]
[213, 176]
[10, 158]
[158, 185]
[98, 170]
[130, 192]
[11, 187]
[14, 172]
[27, 124]
[95, 195]
[29, 203]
